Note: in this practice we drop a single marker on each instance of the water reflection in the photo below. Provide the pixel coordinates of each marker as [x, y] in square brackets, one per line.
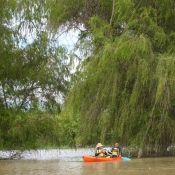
[103, 168]
[139, 166]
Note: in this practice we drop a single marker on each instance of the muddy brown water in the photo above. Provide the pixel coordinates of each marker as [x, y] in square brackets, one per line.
[70, 162]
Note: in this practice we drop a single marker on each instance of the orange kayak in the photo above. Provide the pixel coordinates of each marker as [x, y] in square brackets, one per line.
[100, 159]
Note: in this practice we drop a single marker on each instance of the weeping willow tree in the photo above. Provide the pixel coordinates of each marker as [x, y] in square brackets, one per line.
[125, 89]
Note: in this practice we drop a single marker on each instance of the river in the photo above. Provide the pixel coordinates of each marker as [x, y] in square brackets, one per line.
[70, 162]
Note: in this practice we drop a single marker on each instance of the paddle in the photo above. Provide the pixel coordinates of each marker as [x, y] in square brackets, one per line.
[126, 158]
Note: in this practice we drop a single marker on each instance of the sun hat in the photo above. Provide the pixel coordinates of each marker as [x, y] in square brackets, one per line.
[99, 145]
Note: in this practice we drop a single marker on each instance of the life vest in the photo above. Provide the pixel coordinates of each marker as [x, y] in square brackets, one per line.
[100, 152]
[115, 152]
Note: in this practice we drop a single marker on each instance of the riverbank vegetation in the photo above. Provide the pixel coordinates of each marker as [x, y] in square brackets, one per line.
[123, 88]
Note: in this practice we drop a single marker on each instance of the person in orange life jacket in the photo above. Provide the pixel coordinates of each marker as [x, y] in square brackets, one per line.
[116, 151]
[100, 152]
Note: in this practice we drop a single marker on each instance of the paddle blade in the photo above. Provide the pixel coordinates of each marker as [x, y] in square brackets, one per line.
[126, 158]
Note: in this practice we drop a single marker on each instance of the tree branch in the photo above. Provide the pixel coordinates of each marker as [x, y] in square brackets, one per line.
[113, 8]
[139, 4]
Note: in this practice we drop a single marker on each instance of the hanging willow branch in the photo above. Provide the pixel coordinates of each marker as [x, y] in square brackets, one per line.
[139, 4]
[113, 9]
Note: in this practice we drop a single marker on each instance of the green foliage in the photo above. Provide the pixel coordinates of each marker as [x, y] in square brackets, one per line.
[71, 14]
[33, 72]
[123, 90]
[21, 130]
